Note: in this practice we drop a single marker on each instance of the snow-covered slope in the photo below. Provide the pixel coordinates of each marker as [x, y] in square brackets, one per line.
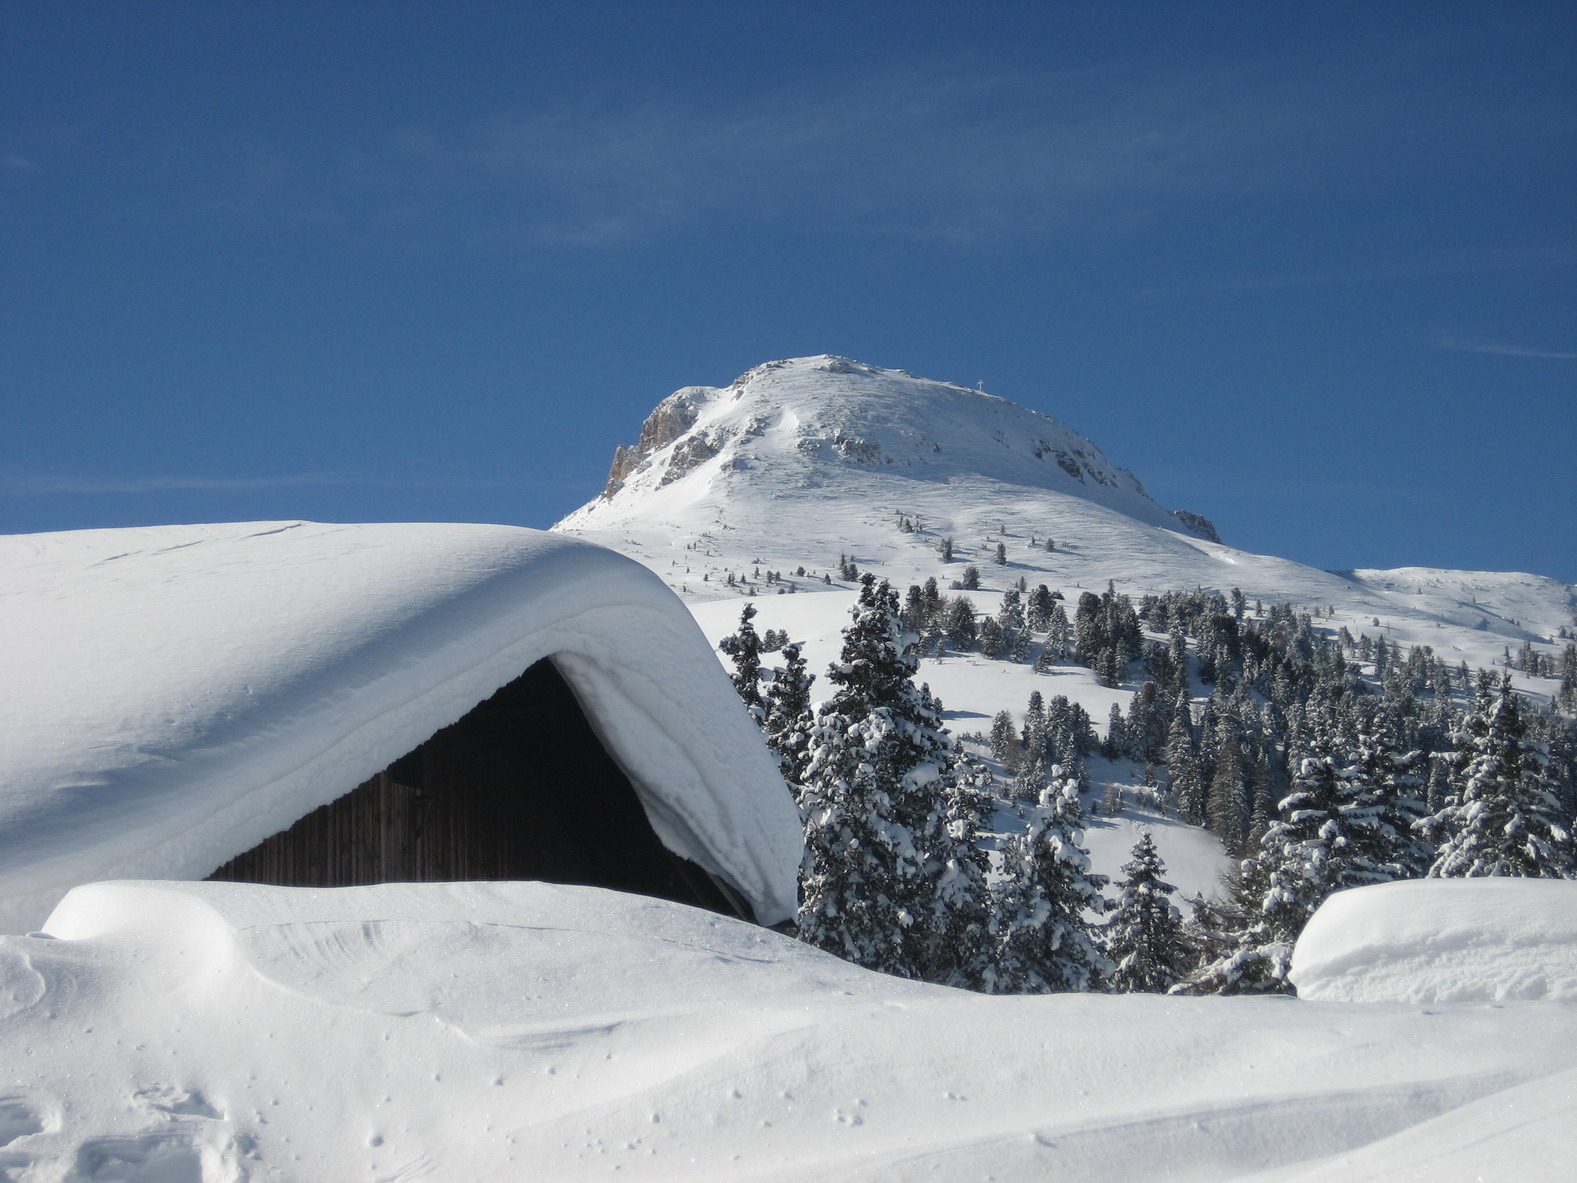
[170, 696]
[800, 461]
[825, 427]
[230, 1032]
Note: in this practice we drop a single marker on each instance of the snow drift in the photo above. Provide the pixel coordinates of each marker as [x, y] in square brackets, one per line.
[173, 695]
[1442, 940]
[504, 1031]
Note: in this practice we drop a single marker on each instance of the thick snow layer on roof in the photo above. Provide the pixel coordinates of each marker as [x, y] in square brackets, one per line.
[172, 695]
[1442, 940]
[506, 1031]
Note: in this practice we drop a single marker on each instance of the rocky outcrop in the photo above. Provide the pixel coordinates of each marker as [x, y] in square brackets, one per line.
[674, 416]
[698, 449]
[1197, 523]
[626, 458]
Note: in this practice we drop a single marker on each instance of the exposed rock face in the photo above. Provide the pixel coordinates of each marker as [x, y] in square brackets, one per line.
[1197, 523]
[696, 450]
[672, 417]
[625, 458]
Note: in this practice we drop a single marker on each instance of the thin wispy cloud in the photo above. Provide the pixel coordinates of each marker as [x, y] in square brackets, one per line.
[39, 484]
[940, 154]
[1480, 345]
[1387, 271]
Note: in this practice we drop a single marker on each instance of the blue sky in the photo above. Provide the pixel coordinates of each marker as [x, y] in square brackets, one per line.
[1307, 269]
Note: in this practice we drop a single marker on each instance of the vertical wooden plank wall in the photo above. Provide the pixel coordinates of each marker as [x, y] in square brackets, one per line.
[521, 788]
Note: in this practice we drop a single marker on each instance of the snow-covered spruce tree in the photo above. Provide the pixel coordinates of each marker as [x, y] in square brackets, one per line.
[1037, 615]
[786, 715]
[992, 644]
[1115, 745]
[1187, 786]
[744, 649]
[1144, 937]
[892, 878]
[958, 623]
[1226, 801]
[1089, 630]
[1304, 856]
[964, 950]
[1234, 957]
[1014, 626]
[1508, 816]
[1147, 724]
[1004, 740]
[1030, 778]
[1319, 845]
[1388, 805]
[1045, 943]
[1057, 633]
[1035, 732]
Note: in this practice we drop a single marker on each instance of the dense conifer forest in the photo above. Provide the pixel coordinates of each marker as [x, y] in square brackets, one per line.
[1320, 759]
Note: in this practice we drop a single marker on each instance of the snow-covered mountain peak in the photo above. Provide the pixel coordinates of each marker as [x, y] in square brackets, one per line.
[801, 427]
[799, 461]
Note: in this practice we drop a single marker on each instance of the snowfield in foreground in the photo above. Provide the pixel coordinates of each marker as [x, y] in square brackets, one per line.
[164, 1031]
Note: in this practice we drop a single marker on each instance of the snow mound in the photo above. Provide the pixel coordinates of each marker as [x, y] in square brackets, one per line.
[1442, 940]
[500, 1031]
[173, 695]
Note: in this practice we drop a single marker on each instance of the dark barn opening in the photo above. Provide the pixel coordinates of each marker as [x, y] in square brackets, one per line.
[521, 788]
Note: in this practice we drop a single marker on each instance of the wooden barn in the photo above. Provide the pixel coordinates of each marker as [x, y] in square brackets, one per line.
[324, 706]
[504, 793]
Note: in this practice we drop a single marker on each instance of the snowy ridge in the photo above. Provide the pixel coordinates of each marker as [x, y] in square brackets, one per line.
[807, 423]
[798, 462]
[1511, 604]
[801, 460]
[173, 695]
[176, 1031]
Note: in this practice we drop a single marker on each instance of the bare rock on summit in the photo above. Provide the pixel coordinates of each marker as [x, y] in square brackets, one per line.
[671, 418]
[1198, 524]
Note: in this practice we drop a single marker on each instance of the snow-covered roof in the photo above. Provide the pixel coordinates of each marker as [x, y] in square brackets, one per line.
[172, 695]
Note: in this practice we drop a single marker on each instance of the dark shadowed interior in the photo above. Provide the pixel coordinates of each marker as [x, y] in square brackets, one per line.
[521, 788]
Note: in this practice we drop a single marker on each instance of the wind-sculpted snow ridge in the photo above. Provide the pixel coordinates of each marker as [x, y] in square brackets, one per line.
[1442, 940]
[175, 694]
[484, 1032]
